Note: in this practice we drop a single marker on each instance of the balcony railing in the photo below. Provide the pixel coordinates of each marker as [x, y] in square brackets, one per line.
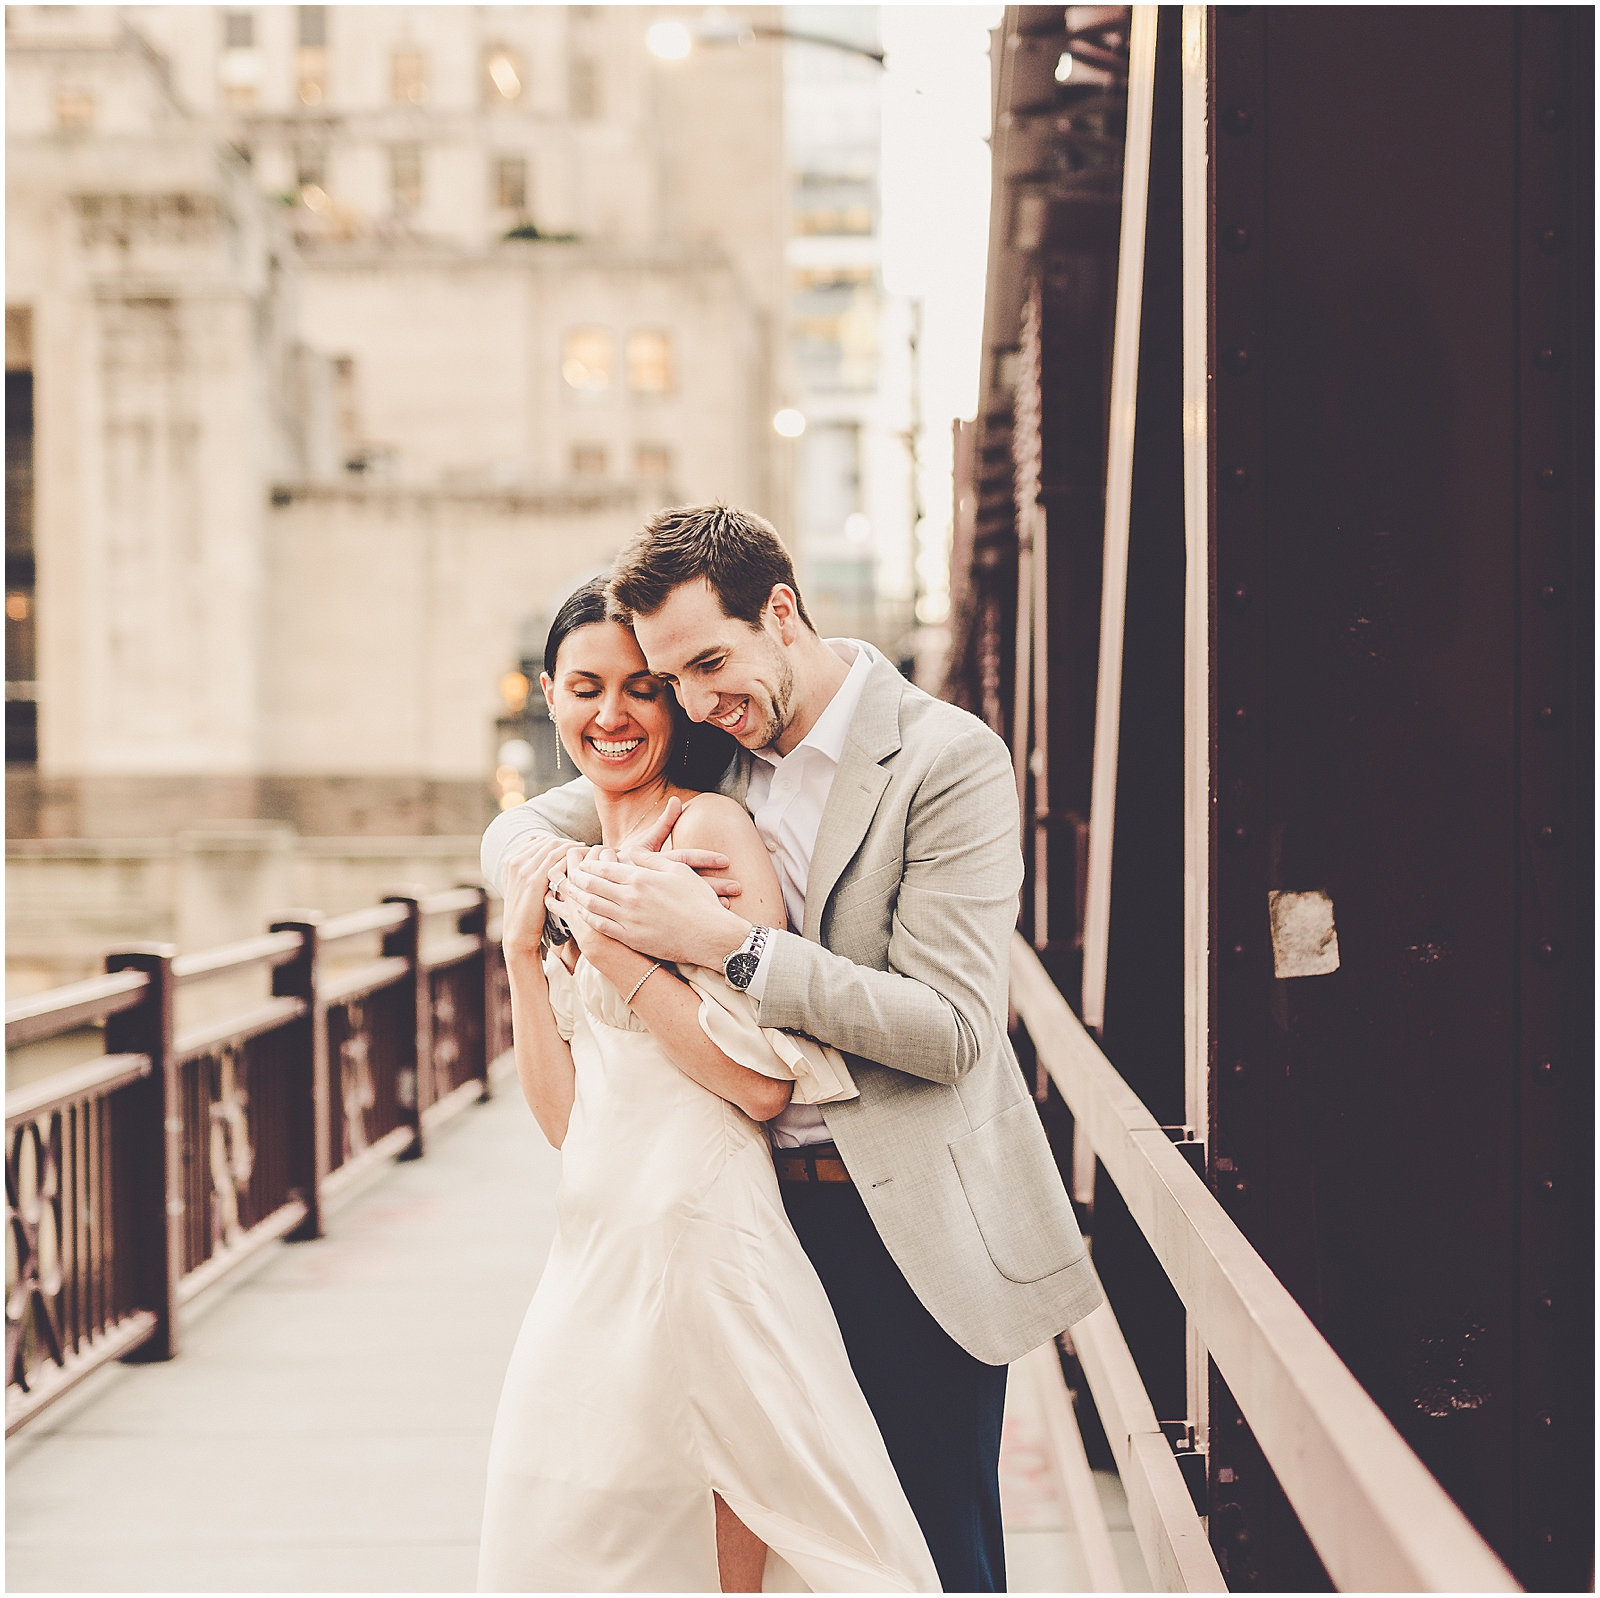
[1378, 1520]
[137, 1180]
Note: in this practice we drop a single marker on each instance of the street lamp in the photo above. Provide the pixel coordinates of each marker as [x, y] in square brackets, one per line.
[673, 40]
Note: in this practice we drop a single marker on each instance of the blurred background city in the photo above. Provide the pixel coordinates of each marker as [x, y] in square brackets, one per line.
[341, 342]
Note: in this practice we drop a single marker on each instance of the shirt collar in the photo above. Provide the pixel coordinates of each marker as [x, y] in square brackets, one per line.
[832, 727]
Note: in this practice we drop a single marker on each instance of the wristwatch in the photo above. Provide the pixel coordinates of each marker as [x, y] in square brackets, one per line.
[740, 966]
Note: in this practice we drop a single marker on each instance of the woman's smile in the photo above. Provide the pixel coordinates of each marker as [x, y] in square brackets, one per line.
[615, 751]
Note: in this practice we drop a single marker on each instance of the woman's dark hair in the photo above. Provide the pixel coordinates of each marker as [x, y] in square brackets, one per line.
[701, 753]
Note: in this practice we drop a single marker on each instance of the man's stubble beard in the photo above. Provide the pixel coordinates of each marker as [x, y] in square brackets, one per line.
[782, 700]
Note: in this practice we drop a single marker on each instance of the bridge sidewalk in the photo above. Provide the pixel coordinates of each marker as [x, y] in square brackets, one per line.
[326, 1424]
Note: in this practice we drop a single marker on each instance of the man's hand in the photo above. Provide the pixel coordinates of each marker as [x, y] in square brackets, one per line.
[606, 954]
[652, 903]
[707, 862]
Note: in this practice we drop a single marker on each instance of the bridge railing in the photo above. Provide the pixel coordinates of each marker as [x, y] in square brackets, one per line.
[138, 1179]
[1378, 1520]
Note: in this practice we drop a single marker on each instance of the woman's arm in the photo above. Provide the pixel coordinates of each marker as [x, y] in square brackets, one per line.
[670, 1007]
[544, 1059]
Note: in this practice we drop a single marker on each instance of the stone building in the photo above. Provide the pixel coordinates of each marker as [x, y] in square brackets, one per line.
[350, 338]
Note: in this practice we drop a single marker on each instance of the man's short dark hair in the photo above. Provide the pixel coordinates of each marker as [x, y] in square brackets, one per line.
[738, 553]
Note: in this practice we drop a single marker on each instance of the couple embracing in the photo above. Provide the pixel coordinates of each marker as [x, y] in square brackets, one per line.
[758, 959]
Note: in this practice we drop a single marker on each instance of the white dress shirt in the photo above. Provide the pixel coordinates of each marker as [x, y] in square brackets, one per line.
[787, 796]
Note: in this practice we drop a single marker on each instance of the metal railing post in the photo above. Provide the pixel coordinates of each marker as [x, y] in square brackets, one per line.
[475, 923]
[151, 1145]
[416, 1076]
[309, 1152]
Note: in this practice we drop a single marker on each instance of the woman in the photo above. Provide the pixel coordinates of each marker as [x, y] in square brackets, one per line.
[679, 1414]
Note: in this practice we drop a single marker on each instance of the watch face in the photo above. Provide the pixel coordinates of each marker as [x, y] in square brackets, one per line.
[742, 969]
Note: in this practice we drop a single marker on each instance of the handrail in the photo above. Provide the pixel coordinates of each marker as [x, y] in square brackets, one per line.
[272, 947]
[450, 951]
[1378, 1520]
[1171, 1537]
[360, 980]
[94, 1078]
[452, 901]
[237, 1028]
[44, 1015]
[380, 918]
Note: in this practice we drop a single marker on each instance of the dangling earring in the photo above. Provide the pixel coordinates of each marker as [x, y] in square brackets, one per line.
[558, 740]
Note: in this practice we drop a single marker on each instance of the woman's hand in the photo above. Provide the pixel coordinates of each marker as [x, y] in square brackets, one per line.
[527, 881]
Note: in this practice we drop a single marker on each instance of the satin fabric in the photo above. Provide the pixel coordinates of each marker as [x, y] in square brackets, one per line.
[680, 1343]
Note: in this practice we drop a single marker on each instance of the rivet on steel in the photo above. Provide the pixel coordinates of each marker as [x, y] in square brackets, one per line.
[1239, 717]
[1544, 1306]
[1238, 121]
[1548, 716]
[1551, 478]
[1547, 952]
[1236, 239]
[1547, 358]
[1546, 837]
[1550, 595]
[1239, 597]
[1544, 1070]
[1241, 1190]
[1545, 1187]
[1552, 241]
[1241, 1070]
[1237, 955]
[1238, 361]
[1239, 837]
[1236, 478]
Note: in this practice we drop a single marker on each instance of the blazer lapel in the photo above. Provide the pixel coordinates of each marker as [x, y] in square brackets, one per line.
[735, 782]
[857, 787]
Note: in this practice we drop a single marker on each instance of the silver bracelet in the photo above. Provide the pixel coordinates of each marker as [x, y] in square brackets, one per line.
[655, 965]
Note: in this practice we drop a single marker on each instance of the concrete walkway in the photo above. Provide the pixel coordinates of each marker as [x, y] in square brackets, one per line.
[326, 1423]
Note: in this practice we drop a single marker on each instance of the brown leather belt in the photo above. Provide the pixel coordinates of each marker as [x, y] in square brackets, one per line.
[817, 1162]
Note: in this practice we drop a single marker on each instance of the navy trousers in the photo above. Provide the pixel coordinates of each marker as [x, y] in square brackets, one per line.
[939, 1409]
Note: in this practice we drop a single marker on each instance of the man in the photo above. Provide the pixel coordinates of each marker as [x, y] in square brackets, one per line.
[931, 1205]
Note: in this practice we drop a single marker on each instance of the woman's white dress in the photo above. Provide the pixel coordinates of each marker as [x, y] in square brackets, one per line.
[680, 1343]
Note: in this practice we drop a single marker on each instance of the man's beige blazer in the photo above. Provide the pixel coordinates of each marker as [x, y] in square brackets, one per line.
[903, 965]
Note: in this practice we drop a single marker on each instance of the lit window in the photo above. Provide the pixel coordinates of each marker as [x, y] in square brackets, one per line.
[586, 359]
[650, 363]
[511, 183]
[585, 88]
[311, 60]
[505, 76]
[409, 77]
[589, 460]
[74, 109]
[239, 71]
[652, 460]
[405, 176]
[834, 219]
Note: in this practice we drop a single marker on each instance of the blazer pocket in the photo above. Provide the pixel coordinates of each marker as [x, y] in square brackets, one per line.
[1016, 1195]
